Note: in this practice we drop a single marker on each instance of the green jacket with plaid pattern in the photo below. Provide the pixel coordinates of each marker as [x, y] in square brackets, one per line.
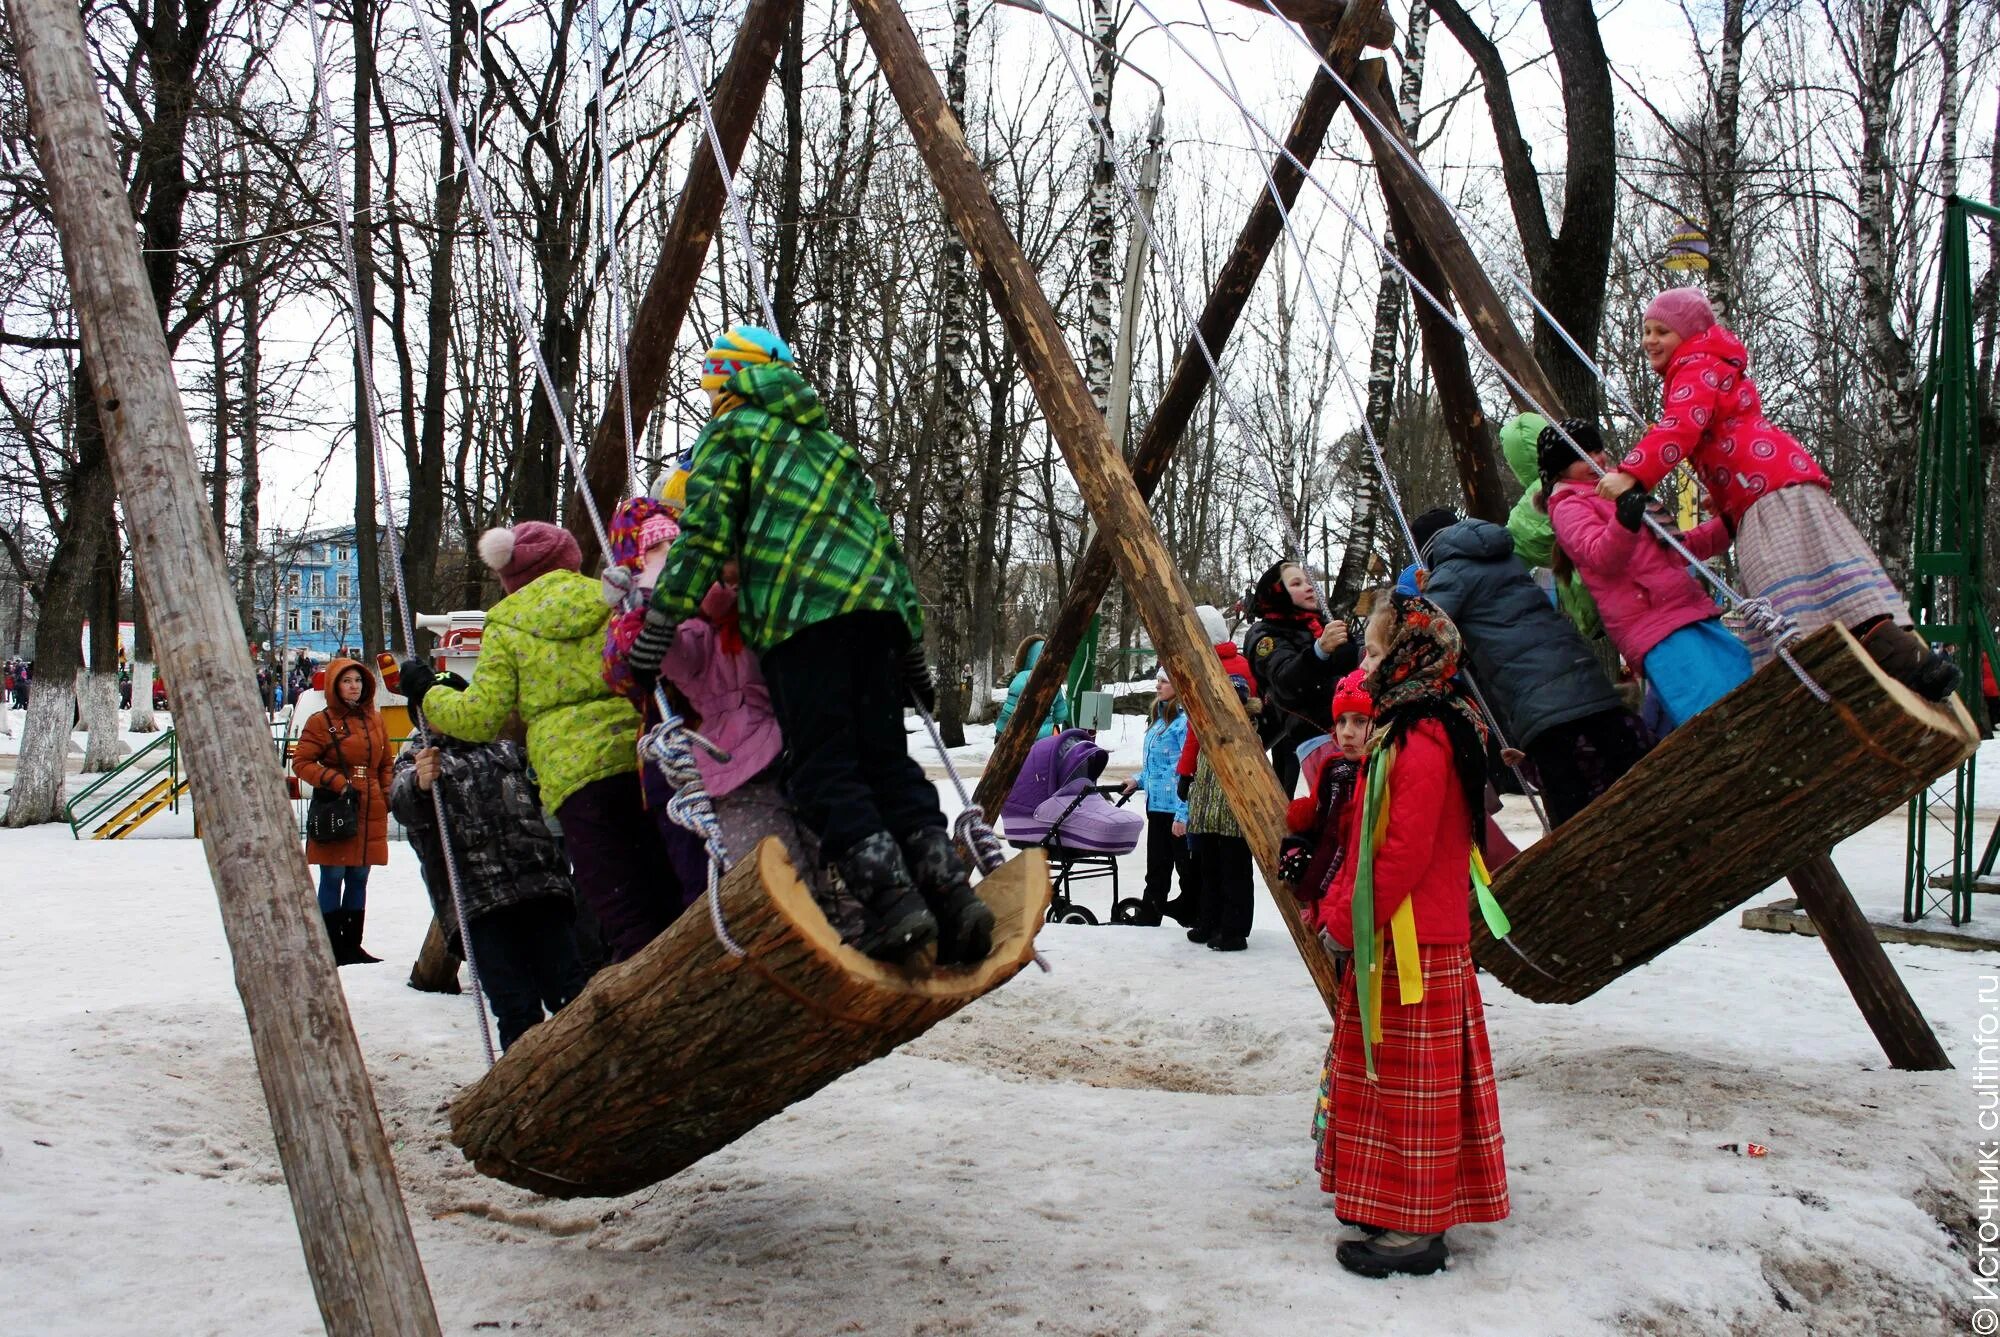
[772, 487]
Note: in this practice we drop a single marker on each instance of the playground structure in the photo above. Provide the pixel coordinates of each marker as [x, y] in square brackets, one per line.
[337, 1163]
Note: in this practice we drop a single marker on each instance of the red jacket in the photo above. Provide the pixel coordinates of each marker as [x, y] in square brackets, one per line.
[1426, 853]
[1712, 416]
[1236, 666]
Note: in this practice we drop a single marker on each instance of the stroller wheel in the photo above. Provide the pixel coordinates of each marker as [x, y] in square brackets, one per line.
[1071, 913]
[1131, 910]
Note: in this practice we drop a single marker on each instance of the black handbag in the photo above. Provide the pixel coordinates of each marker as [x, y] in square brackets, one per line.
[332, 817]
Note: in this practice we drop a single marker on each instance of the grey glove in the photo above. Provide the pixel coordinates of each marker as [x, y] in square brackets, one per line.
[917, 679]
[649, 647]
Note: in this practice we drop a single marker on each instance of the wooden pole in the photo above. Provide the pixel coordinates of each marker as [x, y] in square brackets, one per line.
[649, 345]
[1379, 29]
[1099, 470]
[1899, 1025]
[358, 1245]
[1177, 404]
[1484, 310]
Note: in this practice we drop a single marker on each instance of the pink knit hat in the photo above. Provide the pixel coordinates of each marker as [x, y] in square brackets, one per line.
[528, 551]
[1685, 311]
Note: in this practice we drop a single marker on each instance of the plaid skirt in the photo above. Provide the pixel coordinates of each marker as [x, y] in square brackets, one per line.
[1798, 549]
[1418, 1149]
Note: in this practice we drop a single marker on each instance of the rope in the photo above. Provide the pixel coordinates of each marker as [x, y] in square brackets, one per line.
[364, 363]
[1778, 627]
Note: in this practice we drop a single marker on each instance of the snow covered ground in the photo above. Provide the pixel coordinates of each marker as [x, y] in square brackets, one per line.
[1116, 1147]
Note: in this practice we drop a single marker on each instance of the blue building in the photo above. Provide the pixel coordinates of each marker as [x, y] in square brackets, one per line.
[316, 603]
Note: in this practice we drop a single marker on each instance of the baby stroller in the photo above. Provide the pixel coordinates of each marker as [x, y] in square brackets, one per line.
[1056, 805]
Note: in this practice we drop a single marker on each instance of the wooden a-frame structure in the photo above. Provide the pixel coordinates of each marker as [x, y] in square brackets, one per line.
[358, 1244]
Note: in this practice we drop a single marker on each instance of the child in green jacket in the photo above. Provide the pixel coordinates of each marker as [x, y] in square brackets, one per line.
[828, 604]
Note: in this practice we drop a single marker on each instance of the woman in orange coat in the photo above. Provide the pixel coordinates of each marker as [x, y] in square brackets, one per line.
[345, 746]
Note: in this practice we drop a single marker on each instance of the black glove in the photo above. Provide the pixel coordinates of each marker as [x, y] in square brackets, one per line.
[416, 678]
[1294, 857]
[918, 684]
[1632, 507]
[453, 681]
[1182, 786]
[649, 647]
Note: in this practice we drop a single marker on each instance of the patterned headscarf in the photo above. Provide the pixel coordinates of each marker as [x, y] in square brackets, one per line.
[1414, 682]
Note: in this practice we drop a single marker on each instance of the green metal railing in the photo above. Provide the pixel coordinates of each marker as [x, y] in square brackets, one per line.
[118, 788]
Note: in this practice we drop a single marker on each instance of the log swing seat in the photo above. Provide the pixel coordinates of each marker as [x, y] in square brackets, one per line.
[684, 1048]
[1743, 794]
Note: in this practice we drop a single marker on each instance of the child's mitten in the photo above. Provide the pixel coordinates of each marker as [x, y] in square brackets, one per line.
[917, 679]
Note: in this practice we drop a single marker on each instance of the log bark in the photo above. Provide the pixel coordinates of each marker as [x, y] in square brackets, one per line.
[436, 969]
[1177, 404]
[1147, 569]
[683, 1049]
[1878, 990]
[359, 1250]
[649, 347]
[1754, 787]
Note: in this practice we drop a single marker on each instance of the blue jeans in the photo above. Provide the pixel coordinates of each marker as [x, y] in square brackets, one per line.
[1696, 667]
[332, 897]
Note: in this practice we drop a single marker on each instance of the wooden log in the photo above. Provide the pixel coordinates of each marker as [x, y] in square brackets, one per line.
[436, 969]
[649, 343]
[1378, 31]
[1185, 387]
[1485, 312]
[1144, 564]
[1752, 788]
[359, 1250]
[684, 1048]
[1878, 990]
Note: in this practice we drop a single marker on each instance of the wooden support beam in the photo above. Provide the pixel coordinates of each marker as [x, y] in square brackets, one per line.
[649, 344]
[1094, 461]
[1484, 310]
[436, 968]
[1378, 30]
[1189, 381]
[358, 1246]
[1899, 1025]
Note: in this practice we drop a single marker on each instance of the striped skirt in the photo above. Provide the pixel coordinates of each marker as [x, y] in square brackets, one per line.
[1419, 1148]
[1798, 549]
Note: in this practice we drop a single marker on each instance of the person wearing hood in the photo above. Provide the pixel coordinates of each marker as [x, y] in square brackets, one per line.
[1297, 656]
[1548, 691]
[541, 657]
[826, 601]
[1528, 522]
[1026, 656]
[345, 747]
[1225, 901]
[1794, 545]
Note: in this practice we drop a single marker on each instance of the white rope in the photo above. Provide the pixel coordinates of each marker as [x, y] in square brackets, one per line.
[1774, 624]
[364, 362]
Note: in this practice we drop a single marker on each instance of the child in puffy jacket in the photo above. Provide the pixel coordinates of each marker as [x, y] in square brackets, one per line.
[1794, 545]
[827, 603]
[1166, 811]
[712, 669]
[1225, 904]
[1657, 614]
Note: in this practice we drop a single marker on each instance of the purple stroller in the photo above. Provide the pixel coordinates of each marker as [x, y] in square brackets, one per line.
[1057, 805]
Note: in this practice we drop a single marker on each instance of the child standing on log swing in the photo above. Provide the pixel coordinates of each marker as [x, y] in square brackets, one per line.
[827, 603]
[1794, 545]
[1414, 1144]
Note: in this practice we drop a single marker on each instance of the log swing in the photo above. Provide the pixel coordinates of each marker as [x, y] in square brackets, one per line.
[1815, 746]
[727, 1017]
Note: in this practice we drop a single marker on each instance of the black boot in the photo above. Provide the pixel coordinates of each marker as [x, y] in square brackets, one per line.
[1389, 1254]
[965, 923]
[1909, 659]
[357, 954]
[336, 933]
[899, 923]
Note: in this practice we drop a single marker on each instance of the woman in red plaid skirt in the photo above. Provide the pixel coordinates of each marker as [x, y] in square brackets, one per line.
[1414, 1146]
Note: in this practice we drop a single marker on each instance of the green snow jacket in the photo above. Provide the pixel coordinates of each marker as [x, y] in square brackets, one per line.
[771, 486]
[1534, 536]
[542, 655]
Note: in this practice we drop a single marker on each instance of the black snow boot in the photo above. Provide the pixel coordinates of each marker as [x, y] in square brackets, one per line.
[965, 923]
[356, 921]
[1390, 1254]
[1910, 660]
[899, 923]
[336, 934]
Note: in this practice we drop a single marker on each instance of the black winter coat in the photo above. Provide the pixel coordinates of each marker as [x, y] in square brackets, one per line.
[1295, 683]
[1529, 660]
[505, 850]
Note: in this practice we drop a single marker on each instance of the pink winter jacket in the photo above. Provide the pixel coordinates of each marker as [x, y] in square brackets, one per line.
[727, 694]
[1643, 589]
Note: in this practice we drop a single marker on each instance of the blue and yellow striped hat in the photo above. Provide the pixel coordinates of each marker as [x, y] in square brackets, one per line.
[743, 346]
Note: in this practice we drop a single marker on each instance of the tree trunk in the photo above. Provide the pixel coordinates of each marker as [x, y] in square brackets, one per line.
[791, 181]
[1586, 925]
[681, 1050]
[1890, 365]
[1722, 185]
[359, 1249]
[1102, 226]
[142, 719]
[367, 540]
[250, 476]
[436, 970]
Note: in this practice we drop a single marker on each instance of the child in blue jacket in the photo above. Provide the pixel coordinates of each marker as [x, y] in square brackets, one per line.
[1166, 811]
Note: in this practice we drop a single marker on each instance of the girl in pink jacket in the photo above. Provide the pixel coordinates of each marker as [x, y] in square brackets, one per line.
[1654, 609]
